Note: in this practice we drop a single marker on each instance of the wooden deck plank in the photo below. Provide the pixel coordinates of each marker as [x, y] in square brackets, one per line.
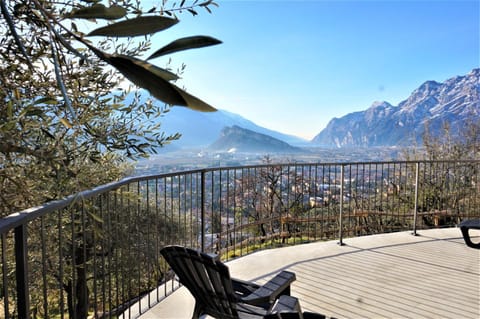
[434, 275]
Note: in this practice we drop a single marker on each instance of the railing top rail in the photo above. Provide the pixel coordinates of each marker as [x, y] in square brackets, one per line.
[16, 219]
[330, 164]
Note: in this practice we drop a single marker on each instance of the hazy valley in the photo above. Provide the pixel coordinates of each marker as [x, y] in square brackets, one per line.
[381, 132]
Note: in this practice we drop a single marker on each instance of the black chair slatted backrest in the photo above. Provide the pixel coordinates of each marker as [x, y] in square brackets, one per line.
[207, 280]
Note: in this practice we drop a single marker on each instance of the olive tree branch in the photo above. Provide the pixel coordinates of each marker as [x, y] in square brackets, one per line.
[13, 30]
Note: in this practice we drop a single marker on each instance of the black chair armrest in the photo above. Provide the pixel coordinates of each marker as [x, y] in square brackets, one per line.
[270, 291]
[465, 226]
[243, 288]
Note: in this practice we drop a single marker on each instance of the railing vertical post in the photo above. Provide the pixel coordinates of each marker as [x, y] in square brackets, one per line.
[5, 277]
[340, 232]
[202, 211]
[417, 169]
[23, 302]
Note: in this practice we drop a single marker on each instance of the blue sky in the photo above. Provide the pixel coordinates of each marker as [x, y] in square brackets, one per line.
[292, 66]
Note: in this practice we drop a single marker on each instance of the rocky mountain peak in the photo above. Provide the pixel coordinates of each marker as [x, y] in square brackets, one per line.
[247, 141]
[423, 97]
[378, 109]
[429, 87]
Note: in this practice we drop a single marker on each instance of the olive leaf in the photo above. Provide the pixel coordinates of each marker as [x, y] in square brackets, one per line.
[186, 43]
[138, 72]
[195, 103]
[166, 75]
[99, 11]
[135, 27]
[151, 78]
[146, 75]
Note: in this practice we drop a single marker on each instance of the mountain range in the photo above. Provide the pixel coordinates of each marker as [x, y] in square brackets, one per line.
[455, 101]
[199, 130]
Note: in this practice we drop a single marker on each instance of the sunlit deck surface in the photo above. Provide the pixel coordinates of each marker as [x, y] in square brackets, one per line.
[397, 275]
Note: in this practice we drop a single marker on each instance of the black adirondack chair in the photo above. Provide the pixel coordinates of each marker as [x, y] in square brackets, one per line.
[219, 295]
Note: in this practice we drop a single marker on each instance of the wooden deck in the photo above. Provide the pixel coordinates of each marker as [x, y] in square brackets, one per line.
[398, 275]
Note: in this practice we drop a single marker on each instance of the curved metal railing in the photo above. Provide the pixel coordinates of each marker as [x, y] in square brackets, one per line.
[96, 253]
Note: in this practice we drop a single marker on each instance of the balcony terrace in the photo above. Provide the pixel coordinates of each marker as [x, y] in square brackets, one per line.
[96, 254]
[396, 275]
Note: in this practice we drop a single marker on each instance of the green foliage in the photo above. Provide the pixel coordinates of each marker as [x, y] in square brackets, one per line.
[65, 122]
[133, 69]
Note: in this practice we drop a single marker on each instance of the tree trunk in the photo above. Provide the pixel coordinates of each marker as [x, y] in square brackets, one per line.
[81, 295]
